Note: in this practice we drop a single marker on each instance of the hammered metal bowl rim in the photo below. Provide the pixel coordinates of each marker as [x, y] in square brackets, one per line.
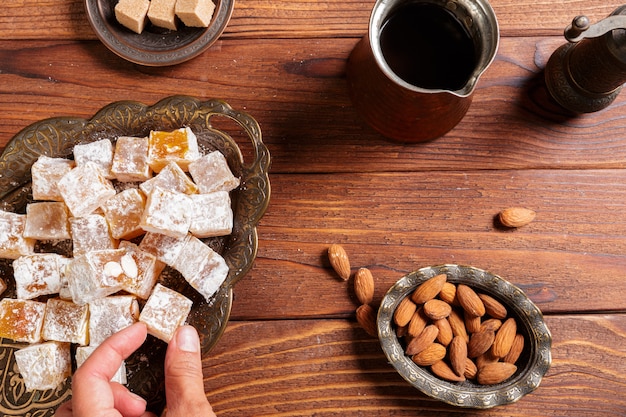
[527, 378]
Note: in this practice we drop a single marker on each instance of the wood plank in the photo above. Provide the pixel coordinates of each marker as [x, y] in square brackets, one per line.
[332, 368]
[253, 19]
[307, 117]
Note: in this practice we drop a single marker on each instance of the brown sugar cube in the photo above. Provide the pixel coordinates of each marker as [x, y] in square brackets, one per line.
[165, 248]
[37, 274]
[13, 244]
[164, 312]
[203, 268]
[83, 353]
[96, 274]
[91, 233]
[84, 189]
[44, 366]
[141, 270]
[211, 173]
[180, 146]
[167, 212]
[21, 320]
[99, 152]
[46, 173]
[195, 13]
[161, 13]
[212, 214]
[123, 213]
[47, 221]
[66, 322]
[132, 14]
[109, 315]
[130, 160]
[172, 178]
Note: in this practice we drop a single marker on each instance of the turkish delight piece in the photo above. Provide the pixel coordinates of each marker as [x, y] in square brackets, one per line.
[3, 286]
[13, 244]
[94, 275]
[203, 268]
[132, 14]
[123, 213]
[21, 320]
[83, 352]
[91, 233]
[64, 291]
[66, 322]
[47, 221]
[109, 315]
[44, 366]
[37, 274]
[167, 212]
[161, 13]
[212, 214]
[211, 173]
[99, 152]
[84, 189]
[180, 146]
[164, 312]
[171, 178]
[165, 248]
[195, 13]
[130, 160]
[141, 270]
[46, 173]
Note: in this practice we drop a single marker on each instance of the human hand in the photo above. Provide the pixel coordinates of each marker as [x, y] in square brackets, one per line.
[93, 395]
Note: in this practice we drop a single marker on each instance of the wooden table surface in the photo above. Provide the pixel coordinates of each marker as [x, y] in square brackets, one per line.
[292, 347]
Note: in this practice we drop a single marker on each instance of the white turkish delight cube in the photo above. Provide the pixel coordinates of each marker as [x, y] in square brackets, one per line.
[171, 178]
[96, 274]
[84, 189]
[212, 214]
[44, 366]
[211, 173]
[141, 270]
[165, 248]
[91, 233]
[180, 145]
[36, 275]
[99, 152]
[46, 172]
[123, 213]
[13, 244]
[167, 212]
[164, 312]
[47, 221]
[21, 320]
[66, 322]
[130, 160]
[84, 352]
[109, 315]
[203, 268]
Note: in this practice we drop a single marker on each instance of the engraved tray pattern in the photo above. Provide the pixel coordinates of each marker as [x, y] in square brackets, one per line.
[56, 137]
[532, 365]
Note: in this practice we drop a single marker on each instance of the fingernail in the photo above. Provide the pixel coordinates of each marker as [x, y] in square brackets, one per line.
[137, 397]
[187, 339]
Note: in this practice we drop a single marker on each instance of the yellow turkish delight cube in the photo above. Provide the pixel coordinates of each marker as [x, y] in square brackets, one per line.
[130, 161]
[13, 244]
[212, 173]
[172, 178]
[109, 315]
[99, 153]
[167, 212]
[91, 233]
[180, 146]
[47, 221]
[44, 366]
[212, 214]
[164, 312]
[46, 172]
[21, 320]
[37, 274]
[66, 322]
[84, 189]
[123, 213]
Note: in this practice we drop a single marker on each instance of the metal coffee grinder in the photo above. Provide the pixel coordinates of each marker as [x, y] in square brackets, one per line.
[586, 74]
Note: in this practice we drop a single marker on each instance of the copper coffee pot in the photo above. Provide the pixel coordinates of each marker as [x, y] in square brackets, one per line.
[587, 74]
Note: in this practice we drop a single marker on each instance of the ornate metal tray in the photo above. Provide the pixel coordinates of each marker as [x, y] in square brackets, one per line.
[56, 137]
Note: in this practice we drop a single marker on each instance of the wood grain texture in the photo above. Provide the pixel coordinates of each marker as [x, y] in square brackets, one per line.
[332, 368]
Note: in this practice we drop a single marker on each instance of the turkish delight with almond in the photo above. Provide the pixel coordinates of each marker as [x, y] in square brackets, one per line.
[66, 322]
[96, 274]
[164, 312]
[211, 173]
[44, 366]
[141, 270]
[21, 320]
[13, 244]
[212, 214]
[123, 213]
[180, 146]
[167, 212]
[130, 161]
[36, 275]
[46, 173]
[84, 189]
[99, 153]
[91, 233]
[47, 221]
[109, 315]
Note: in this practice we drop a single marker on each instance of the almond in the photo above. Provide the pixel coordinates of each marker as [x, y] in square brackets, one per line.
[494, 373]
[436, 309]
[493, 307]
[516, 349]
[404, 312]
[433, 353]
[470, 369]
[445, 335]
[457, 325]
[417, 323]
[472, 323]
[470, 301]
[421, 342]
[458, 355]
[443, 371]
[339, 261]
[480, 343]
[516, 216]
[448, 293]
[364, 285]
[428, 289]
[485, 358]
[366, 317]
[491, 324]
[504, 338]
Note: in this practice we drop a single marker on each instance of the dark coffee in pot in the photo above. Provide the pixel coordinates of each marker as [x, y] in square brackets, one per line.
[427, 46]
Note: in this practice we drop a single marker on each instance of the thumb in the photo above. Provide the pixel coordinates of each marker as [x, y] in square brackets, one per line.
[184, 383]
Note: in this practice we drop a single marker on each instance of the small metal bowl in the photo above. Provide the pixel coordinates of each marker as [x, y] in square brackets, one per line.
[156, 46]
[532, 365]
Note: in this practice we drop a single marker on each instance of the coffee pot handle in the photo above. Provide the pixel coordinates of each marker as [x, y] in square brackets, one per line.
[581, 28]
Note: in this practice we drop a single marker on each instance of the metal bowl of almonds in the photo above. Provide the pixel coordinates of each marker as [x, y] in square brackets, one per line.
[464, 336]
